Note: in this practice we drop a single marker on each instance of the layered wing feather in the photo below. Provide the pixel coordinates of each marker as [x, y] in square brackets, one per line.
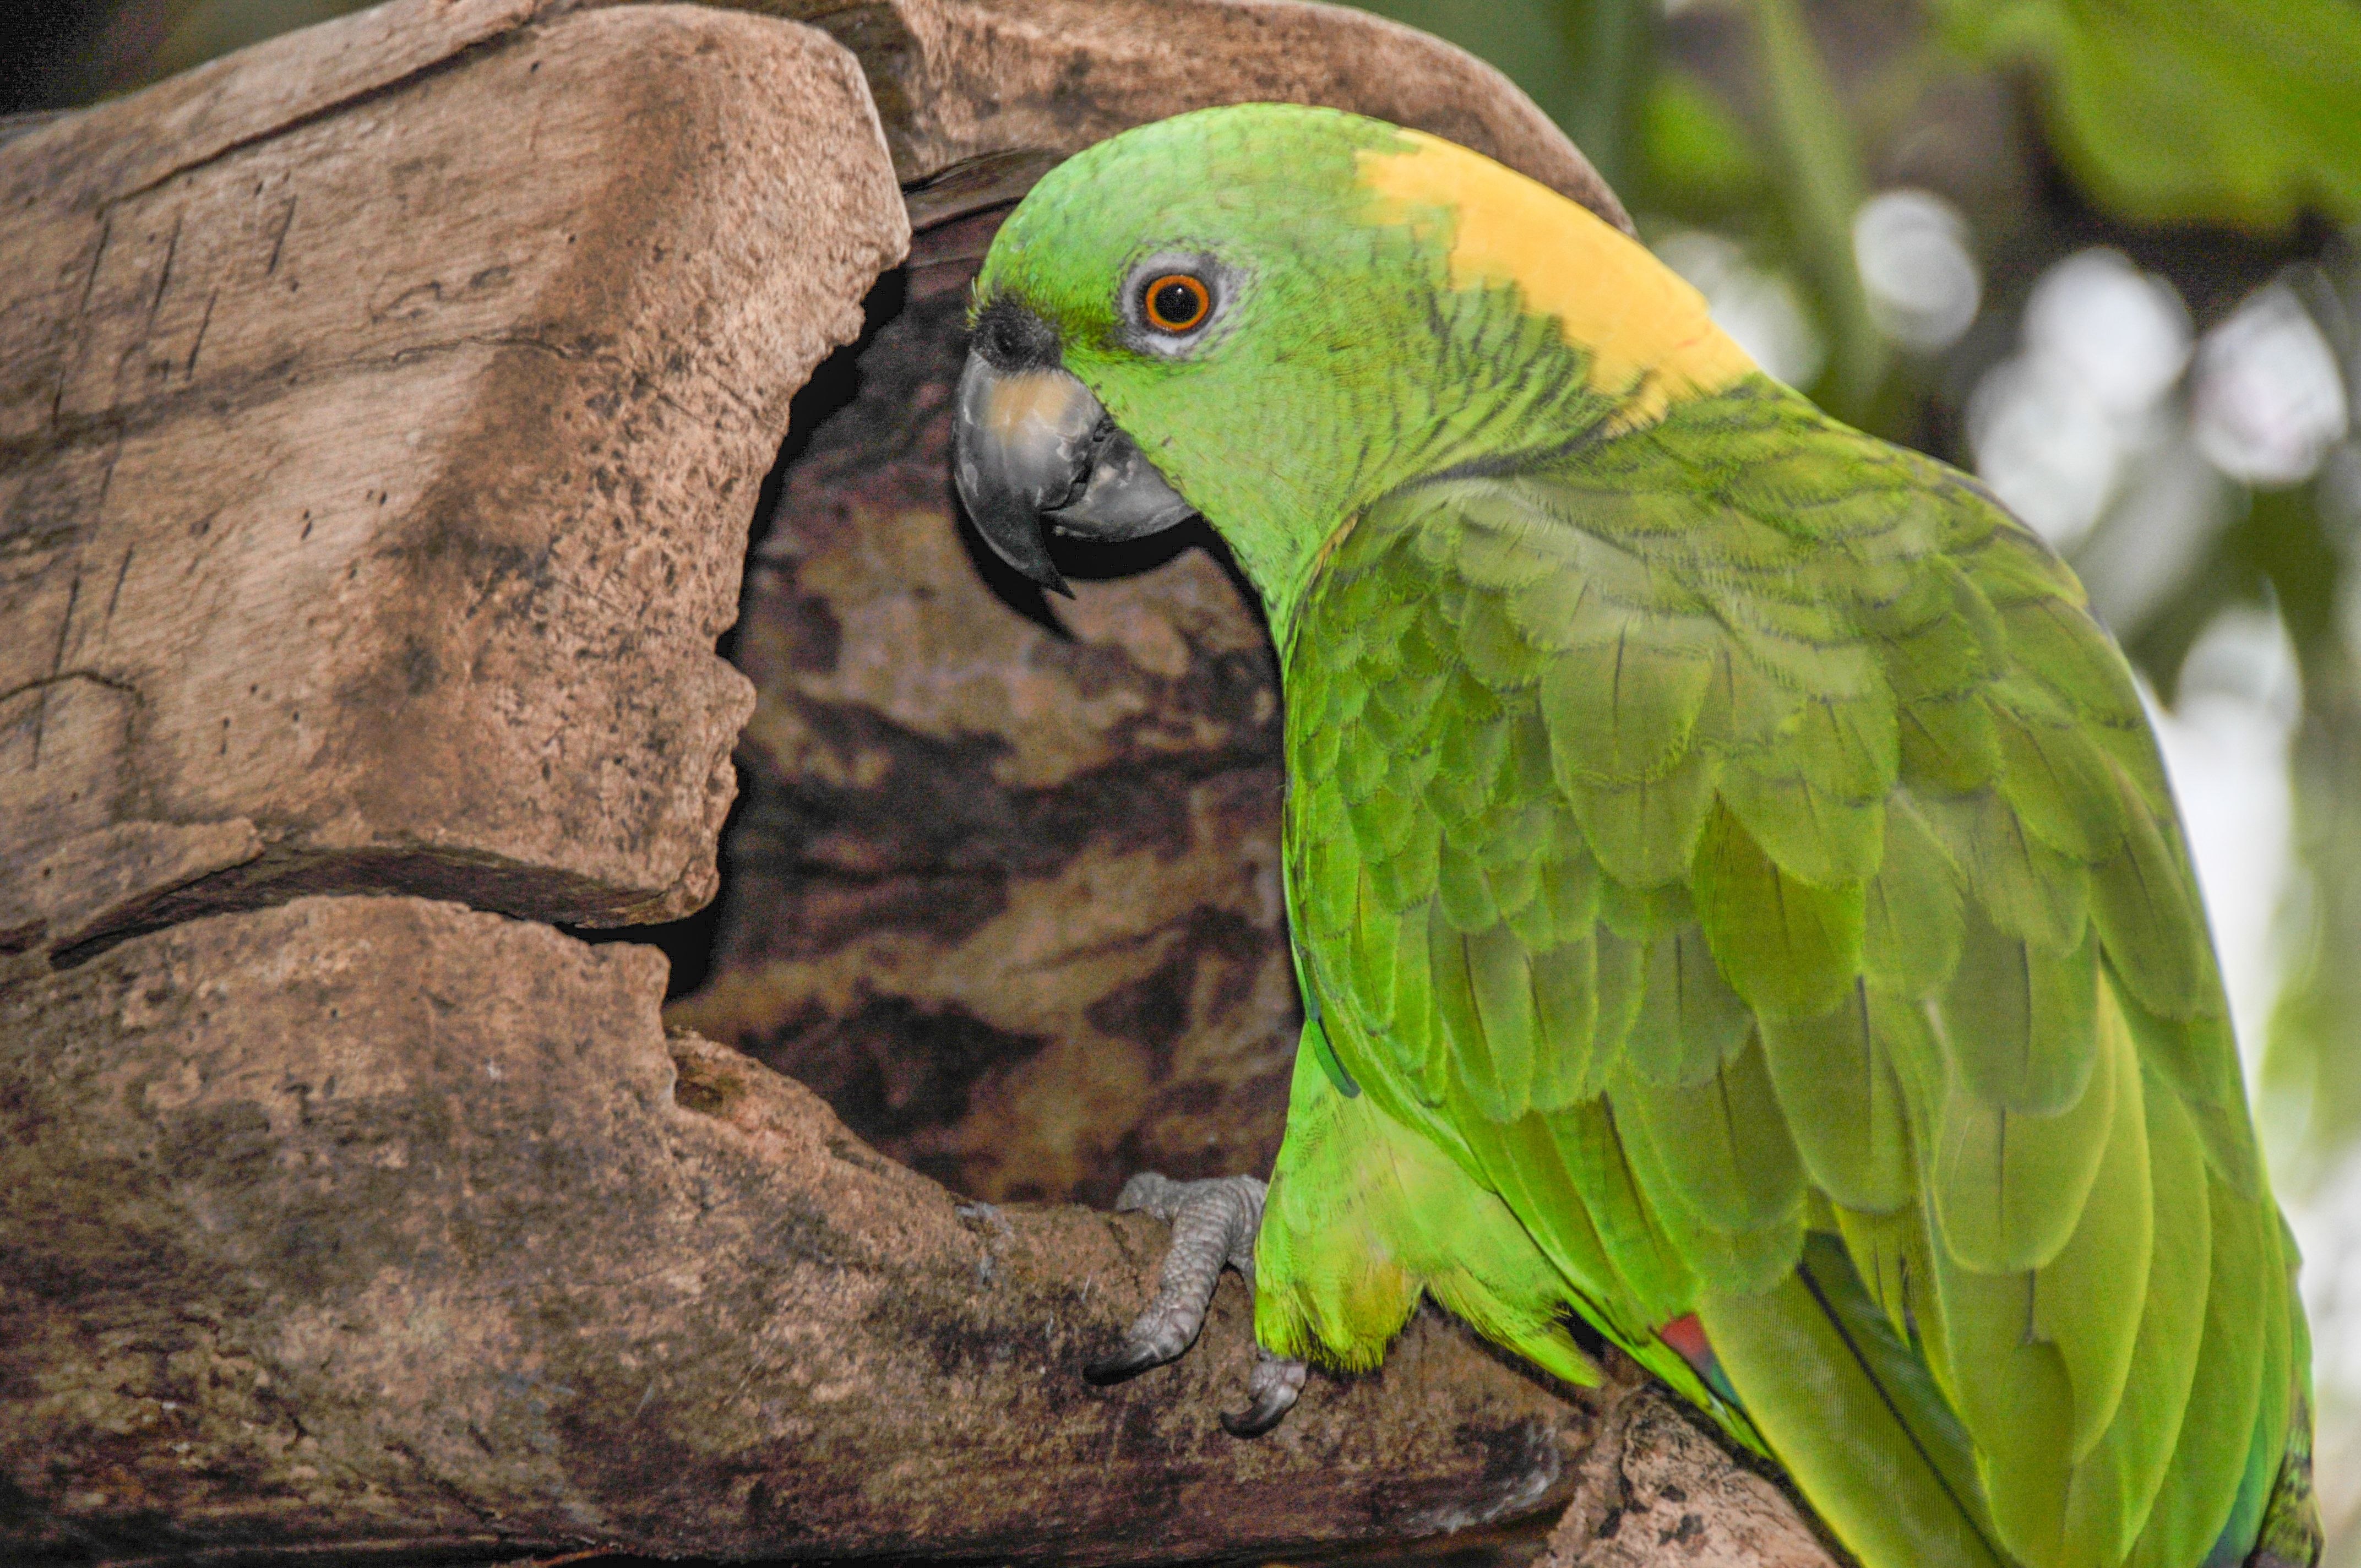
[1742, 842]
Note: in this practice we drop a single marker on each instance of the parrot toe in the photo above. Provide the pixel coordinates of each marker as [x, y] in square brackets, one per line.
[1131, 1358]
[1213, 1225]
[1271, 1394]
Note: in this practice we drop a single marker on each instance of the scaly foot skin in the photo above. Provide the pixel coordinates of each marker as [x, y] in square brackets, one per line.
[1214, 1223]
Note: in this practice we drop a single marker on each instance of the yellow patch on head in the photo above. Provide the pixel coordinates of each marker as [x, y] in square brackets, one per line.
[1649, 337]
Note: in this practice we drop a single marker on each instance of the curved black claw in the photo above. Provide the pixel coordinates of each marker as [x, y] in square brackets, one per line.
[1122, 1367]
[1271, 1394]
[1258, 1418]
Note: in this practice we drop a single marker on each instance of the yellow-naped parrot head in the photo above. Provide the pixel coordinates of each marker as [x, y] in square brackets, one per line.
[1271, 314]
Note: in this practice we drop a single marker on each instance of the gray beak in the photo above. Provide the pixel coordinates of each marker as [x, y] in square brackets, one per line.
[1033, 449]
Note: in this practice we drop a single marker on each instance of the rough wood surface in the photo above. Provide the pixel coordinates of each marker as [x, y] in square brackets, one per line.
[377, 451]
[381, 1222]
[1655, 1490]
[196, 440]
[1005, 887]
[960, 80]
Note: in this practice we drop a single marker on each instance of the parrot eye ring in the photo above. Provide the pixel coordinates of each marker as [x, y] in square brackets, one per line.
[1175, 302]
[1172, 301]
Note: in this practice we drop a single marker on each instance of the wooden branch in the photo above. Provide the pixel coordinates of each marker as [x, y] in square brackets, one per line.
[374, 1222]
[1656, 1488]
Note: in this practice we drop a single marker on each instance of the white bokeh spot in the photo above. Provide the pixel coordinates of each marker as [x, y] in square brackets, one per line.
[1922, 282]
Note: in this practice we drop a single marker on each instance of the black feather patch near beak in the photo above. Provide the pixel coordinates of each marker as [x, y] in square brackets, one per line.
[1033, 449]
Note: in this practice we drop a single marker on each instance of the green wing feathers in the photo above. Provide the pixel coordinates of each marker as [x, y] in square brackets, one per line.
[1734, 854]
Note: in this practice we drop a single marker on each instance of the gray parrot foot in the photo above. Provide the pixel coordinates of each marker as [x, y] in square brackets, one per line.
[1213, 1225]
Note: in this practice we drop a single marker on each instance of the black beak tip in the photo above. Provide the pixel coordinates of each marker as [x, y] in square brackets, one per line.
[1048, 576]
[1023, 546]
[1011, 530]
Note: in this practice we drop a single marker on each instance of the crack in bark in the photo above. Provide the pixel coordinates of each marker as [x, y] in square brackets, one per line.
[509, 35]
[270, 384]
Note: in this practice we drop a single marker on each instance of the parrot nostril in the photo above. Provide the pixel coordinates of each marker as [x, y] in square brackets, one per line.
[1011, 337]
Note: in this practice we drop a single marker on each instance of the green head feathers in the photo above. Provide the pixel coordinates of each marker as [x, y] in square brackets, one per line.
[1380, 305]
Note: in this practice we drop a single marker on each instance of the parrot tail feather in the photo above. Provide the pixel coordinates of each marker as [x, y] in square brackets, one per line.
[1852, 1412]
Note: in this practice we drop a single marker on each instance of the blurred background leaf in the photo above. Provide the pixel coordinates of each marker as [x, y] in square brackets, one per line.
[1698, 158]
[2096, 251]
[2230, 111]
[55, 53]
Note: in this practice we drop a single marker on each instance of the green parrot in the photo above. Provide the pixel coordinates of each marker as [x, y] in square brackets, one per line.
[1737, 899]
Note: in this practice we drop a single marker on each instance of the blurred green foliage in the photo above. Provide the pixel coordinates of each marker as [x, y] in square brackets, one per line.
[1699, 158]
[2240, 112]
[1817, 156]
[200, 29]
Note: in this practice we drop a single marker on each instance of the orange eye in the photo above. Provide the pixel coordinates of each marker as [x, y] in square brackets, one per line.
[1175, 302]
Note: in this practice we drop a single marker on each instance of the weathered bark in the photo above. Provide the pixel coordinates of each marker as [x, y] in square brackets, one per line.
[380, 1220]
[1655, 1489]
[1007, 897]
[960, 80]
[375, 463]
[187, 434]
